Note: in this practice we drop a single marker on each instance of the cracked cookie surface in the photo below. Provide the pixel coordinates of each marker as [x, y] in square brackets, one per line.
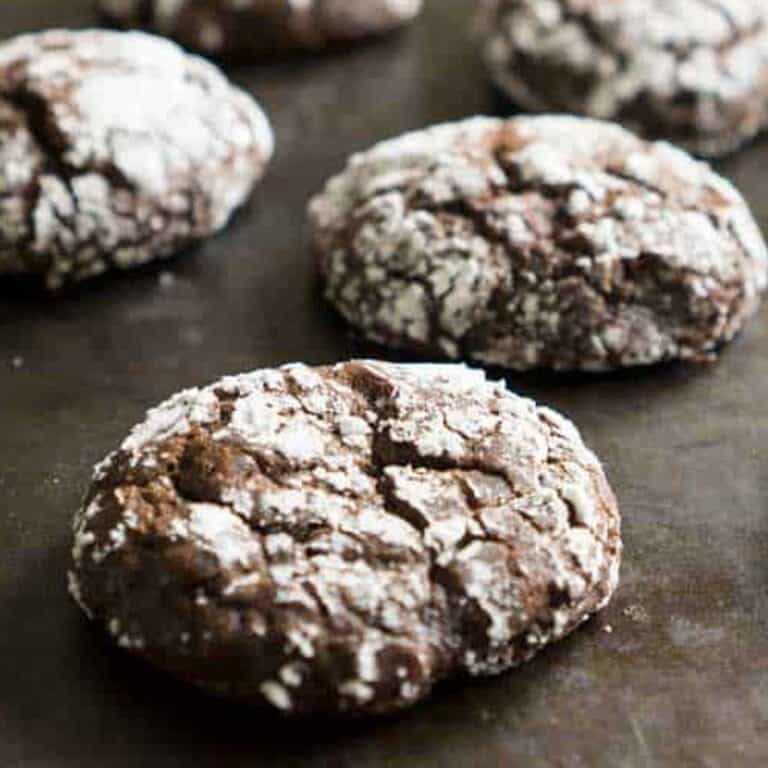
[694, 72]
[116, 149]
[250, 29]
[554, 241]
[339, 539]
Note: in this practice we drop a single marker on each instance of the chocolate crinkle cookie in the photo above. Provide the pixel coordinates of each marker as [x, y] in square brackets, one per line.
[250, 29]
[551, 241]
[116, 149]
[340, 539]
[691, 71]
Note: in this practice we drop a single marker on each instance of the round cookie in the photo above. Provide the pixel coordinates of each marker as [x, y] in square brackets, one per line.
[339, 539]
[694, 72]
[251, 29]
[551, 241]
[116, 149]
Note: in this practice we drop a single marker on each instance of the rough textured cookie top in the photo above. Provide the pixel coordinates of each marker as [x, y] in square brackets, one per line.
[116, 148]
[695, 71]
[341, 538]
[251, 28]
[549, 241]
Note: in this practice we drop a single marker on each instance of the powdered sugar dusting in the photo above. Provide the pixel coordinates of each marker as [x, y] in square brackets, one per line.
[116, 130]
[693, 71]
[539, 242]
[246, 29]
[349, 534]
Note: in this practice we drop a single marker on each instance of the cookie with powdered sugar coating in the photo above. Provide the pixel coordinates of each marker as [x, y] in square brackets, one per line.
[116, 149]
[555, 241]
[252, 29]
[694, 72]
[339, 539]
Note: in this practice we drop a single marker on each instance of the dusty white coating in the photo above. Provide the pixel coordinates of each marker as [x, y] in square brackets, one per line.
[692, 70]
[463, 529]
[543, 241]
[132, 147]
[223, 534]
[248, 28]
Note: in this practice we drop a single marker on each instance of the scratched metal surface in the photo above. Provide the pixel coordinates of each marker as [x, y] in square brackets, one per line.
[674, 673]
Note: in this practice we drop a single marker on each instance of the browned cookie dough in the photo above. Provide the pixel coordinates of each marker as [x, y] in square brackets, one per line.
[694, 72]
[249, 29]
[117, 148]
[340, 539]
[554, 242]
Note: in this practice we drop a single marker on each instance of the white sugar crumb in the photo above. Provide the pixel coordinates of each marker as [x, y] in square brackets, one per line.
[83, 540]
[131, 642]
[94, 507]
[254, 417]
[174, 417]
[257, 626]
[240, 499]
[560, 621]
[277, 695]
[75, 591]
[582, 505]
[299, 444]
[223, 534]
[99, 471]
[409, 690]
[117, 536]
[302, 642]
[302, 375]
[368, 668]
[166, 280]
[291, 675]
[243, 583]
[130, 519]
[356, 689]
[353, 426]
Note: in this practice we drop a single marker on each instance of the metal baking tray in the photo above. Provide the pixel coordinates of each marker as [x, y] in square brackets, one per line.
[673, 673]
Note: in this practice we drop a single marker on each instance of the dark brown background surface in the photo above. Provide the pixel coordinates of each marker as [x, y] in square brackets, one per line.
[674, 673]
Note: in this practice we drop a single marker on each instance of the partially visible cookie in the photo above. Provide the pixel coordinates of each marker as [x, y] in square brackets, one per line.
[694, 72]
[250, 29]
[340, 539]
[555, 242]
[116, 149]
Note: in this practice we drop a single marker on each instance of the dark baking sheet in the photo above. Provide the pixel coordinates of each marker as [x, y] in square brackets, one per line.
[674, 673]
